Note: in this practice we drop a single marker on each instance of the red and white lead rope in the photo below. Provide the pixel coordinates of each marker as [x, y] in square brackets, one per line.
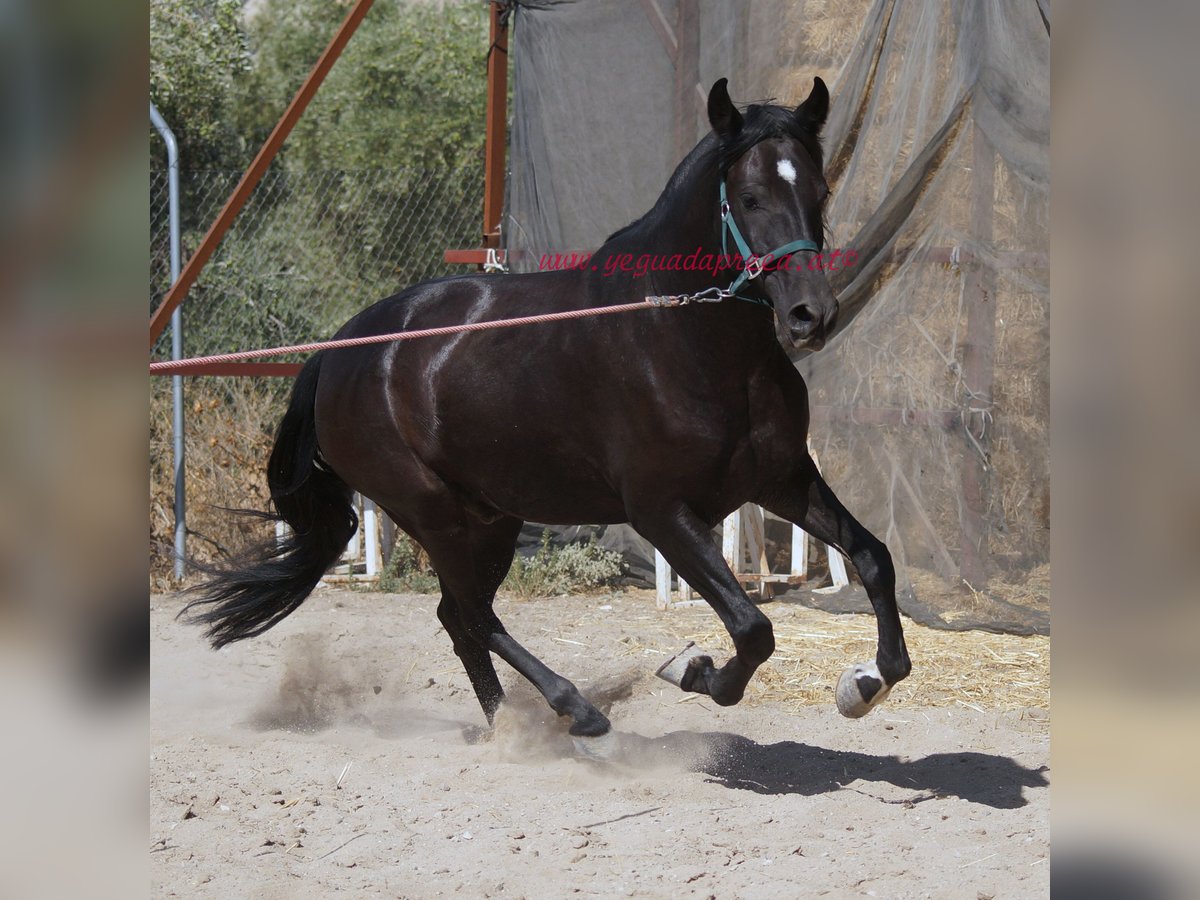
[183, 365]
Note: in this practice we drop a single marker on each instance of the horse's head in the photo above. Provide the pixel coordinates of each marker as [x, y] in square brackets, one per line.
[770, 158]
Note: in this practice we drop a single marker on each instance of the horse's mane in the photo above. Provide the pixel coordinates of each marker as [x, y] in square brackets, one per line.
[761, 121]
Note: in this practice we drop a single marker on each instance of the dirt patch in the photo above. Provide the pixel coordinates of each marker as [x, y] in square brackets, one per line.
[344, 751]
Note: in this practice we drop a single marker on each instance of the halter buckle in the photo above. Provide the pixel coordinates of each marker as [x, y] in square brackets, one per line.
[754, 267]
[724, 210]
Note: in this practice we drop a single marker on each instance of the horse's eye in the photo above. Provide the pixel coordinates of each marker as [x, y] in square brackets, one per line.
[749, 202]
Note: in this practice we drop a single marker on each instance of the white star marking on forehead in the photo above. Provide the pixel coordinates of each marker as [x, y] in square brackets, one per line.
[787, 171]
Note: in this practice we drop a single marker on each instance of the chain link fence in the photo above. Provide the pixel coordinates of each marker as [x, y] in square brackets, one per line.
[308, 250]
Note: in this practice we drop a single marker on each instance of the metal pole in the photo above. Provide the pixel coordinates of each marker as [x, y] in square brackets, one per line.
[496, 123]
[176, 342]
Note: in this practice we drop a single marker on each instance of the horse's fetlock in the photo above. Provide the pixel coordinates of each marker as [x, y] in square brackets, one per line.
[894, 669]
[755, 640]
[562, 698]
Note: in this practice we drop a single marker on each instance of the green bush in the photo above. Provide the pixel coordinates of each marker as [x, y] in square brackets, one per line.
[550, 571]
[407, 571]
[557, 570]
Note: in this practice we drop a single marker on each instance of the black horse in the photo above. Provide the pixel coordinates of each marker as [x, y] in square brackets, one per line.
[668, 419]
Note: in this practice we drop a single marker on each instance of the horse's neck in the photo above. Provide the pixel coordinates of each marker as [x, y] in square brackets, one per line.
[682, 222]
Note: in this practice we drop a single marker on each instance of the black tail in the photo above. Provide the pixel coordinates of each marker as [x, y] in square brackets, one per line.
[262, 586]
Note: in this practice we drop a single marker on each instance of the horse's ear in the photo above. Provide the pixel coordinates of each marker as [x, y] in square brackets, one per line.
[812, 112]
[722, 114]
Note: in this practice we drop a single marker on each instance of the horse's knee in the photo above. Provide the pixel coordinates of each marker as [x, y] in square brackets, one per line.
[754, 640]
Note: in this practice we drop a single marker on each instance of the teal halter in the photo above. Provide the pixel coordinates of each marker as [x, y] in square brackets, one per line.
[754, 264]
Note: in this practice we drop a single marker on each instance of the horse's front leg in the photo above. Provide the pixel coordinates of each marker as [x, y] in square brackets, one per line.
[686, 543]
[809, 502]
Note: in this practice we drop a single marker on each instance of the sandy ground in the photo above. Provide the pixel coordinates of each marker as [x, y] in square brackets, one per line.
[766, 799]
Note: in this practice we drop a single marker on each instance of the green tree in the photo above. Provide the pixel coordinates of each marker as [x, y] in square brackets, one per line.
[409, 90]
[380, 174]
[199, 56]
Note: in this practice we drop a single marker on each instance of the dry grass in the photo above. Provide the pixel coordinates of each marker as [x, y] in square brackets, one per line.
[973, 669]
[230, 425]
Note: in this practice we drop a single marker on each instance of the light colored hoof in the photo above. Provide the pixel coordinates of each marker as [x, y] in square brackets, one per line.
[604, 748]
[672, 670]
[853, 684]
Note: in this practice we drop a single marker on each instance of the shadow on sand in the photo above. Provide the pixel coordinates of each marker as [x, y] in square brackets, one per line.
[789, 767]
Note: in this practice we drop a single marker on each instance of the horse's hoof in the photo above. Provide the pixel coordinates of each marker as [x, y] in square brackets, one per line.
[604, 748]
[860, 689]
[674, 668]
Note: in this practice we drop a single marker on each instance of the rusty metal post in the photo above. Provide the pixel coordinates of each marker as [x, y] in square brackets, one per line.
[687, 75]
[257, 169]
[496, 136]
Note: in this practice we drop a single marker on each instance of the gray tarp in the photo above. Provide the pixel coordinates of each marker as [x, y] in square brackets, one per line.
[931, 404]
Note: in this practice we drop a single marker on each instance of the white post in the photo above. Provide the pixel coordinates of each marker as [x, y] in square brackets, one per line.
[352, 547]
[662, 581]
[837, 568]
[756, 538]
[731, 540]
[837, 565]
[370, 537]
[799, 551]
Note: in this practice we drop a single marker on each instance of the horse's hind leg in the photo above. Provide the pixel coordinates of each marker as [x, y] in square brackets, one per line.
[810, 503]
[475, 659]
[474, 656]
[471, 559]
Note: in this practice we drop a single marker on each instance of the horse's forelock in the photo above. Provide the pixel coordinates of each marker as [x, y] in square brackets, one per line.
[763, 121]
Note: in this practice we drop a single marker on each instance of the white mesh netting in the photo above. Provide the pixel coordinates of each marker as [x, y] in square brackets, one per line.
[931, 403]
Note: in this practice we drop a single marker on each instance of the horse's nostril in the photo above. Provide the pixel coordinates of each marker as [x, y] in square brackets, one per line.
[801, 319]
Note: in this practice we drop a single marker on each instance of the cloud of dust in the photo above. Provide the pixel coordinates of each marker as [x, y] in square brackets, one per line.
[529, 731]
[316, 691]
[320, 689]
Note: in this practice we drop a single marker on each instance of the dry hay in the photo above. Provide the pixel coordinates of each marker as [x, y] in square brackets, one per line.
[983, 671]
[229, 426]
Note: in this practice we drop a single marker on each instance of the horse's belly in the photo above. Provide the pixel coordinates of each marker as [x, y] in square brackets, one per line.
[556, 492]
[519, 471]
